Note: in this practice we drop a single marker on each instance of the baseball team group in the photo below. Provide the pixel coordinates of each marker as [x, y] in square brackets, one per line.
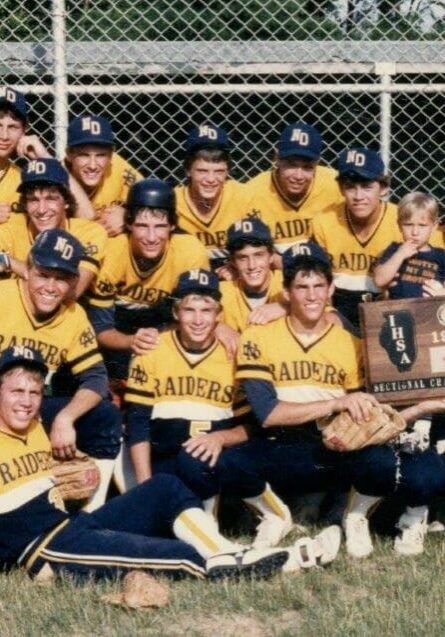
[195, 340]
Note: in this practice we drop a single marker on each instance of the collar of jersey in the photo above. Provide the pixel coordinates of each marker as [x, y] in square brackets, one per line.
[309, 346]
[183, 352]
[195, 212]
[276, 185]
[383, 208]
[55, 318]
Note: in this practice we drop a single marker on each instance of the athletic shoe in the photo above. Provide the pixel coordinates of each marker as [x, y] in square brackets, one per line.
[410, 540]
[271, 530]
[250, 562]
[358, 538]
[318, 551]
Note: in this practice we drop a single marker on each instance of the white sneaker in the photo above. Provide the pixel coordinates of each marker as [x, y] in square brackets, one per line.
[319, 551]
[410, 540]
[271, 530]
[358, 538]
[250, 562]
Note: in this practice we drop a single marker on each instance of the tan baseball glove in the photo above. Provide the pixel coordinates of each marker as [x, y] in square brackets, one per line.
[341, 433]
[139, 590]
[76, 479]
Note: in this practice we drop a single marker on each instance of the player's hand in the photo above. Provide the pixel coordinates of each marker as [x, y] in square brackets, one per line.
[113, 219]
[266, 314]
[145, 339]
[226, 272]
[431, 287]
[206, 447]
[63, 437]
[5, 212]
[408, 249]
[229, 338]
[31, 147]
[358, 404]
[277, 261]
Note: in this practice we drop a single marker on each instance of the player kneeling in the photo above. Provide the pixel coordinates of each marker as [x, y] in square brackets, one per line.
[132, 531]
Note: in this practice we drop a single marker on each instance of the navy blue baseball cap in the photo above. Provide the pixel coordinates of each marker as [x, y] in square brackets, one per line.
[360, 162]
[44, 171]
[20, 356]
[57, 250]
[304, 249]
[197, 281]
[249, 229]
[14, 101]
[207, 136]
[90, 129]
[300, 140]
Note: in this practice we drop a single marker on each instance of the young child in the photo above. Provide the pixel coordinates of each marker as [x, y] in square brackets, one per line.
[413, 268]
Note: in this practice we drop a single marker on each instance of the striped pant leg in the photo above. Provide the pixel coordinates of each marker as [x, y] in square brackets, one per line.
[85, 551]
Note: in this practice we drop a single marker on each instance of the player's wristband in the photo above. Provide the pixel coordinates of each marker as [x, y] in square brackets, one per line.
[5, 262]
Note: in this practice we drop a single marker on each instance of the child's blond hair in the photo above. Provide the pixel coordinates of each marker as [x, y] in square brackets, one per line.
[417, 202]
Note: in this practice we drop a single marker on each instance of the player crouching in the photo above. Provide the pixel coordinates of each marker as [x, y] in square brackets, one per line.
[132, 531]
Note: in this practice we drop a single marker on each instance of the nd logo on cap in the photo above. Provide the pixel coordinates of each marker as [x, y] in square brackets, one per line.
[244, 226]
[65, 249]
[356, 158]
[91, 125]
[8, 94]
[207, 131]
[199, 276]
[36, 167]
[299, 136]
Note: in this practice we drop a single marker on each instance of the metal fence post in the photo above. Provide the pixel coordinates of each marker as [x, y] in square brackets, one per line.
[385, 70]
[59, 73]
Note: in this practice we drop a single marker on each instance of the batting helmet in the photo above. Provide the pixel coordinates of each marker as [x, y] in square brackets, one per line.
[151, 193]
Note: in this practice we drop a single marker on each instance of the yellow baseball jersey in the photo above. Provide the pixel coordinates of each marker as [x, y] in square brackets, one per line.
[326, 368]
[236, 304]
[9, 182]
[65, 337]
[353, 260]
[30, 504]
[117, 181]
[232, 205]
[190, 394]
[121, 281]
[16, 238]
[291, 224]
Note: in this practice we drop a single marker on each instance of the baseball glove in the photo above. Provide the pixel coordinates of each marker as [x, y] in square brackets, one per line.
[341, 433]
[76, 479]
[139, 590]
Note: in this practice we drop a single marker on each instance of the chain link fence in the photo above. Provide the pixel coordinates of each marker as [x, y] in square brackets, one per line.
[370, 73]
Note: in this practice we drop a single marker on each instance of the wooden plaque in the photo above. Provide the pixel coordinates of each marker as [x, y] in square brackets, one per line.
[404, 347]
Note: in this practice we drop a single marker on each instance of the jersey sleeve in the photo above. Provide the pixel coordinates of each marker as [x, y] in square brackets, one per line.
[197, 256]
[356, 374]
[252, 356]
[140, 385]
[103, 291]
[94, 240]
[83, 351]
[318, 232]
[6, 238]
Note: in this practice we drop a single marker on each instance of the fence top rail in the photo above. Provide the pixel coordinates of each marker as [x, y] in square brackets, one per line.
[235, 57]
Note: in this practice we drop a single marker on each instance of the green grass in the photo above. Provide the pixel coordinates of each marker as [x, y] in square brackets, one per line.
[383, 595]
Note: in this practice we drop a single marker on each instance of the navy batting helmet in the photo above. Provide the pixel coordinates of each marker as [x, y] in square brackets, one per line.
[151, 193]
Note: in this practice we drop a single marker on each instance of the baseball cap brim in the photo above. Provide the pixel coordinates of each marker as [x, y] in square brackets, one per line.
[294, 152]
[92, 140]
[24, 362]
[201, 291]
[49, 264]
[359, 172]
